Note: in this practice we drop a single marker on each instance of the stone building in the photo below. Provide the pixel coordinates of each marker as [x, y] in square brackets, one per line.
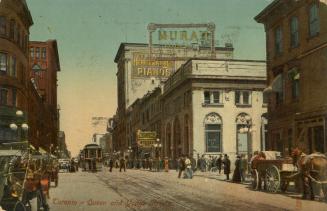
[15, 21]
[296, 34]
[139, 72]
[213, 107]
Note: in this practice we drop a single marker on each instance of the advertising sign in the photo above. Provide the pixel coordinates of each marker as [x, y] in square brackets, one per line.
[146, 139]
[157, 66]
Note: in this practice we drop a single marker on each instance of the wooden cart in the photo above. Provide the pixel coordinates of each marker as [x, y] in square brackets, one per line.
[273, 174]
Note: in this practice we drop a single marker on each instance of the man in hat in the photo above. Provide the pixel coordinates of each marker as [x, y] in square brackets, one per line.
[226, 163]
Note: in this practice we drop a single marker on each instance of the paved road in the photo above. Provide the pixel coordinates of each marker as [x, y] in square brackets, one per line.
[144, 190]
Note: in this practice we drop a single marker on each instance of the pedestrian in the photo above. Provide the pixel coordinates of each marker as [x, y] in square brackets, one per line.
[111, 164]
[181, 166]
[122, 164]
[219, 163]
[244, 167]
[237, 171]
[202, 163]
[166, 164]
[188, 170]
[226, 163]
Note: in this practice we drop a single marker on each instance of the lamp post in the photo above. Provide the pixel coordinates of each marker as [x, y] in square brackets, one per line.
[248, 129]
[20, 127]
[157, 147]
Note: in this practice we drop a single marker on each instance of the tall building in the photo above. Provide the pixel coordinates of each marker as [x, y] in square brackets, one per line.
[296, 34]
[15, 21]
[139, 72]
[44, 65]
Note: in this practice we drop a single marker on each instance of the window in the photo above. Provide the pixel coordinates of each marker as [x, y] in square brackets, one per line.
[14, 97]
[3, 96]
[207, 97]
[294, 77]
[313, 20]
[3, 28]
[213, 128]
[13, 66]
[213, 97]
[37, 53]
[3, 63]
[278, 41]
[294, 32]
[32, 53]
[44, 53]
[11, 29]
[242, 97]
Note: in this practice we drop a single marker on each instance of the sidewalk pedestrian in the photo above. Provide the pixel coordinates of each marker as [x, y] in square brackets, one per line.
[122, 164]
[219, 163]
[111, 164]
[188, 165]
[226, 163]
[244, 167]
[181, 166]
[237, 171]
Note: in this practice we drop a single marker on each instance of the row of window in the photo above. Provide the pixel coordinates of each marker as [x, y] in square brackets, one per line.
[292, 80]
[215, 97]
[8, 64]
[294, 30]
[13, 31]
[8, 96]
[38, 53]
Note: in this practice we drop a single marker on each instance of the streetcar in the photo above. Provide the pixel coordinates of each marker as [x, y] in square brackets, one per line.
[92, 158]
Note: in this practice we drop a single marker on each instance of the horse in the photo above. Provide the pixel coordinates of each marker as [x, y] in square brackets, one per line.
[312, 168]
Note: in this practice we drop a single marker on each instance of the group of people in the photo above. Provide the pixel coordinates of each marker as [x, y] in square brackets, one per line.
[185, 165]
[118, 163]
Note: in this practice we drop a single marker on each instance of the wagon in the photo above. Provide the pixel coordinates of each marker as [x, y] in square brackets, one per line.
[19, 185]
[275, 173]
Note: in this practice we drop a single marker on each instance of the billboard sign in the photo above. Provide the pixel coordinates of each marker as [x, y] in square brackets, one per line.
[146, 139]
[157, 66]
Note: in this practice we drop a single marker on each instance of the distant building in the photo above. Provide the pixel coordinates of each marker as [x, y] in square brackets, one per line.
[139, 72]
[208, 106]
[62, 150]
[15, 21]
[296, 33]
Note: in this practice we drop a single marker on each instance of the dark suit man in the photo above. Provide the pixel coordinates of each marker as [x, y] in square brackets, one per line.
[111, 164]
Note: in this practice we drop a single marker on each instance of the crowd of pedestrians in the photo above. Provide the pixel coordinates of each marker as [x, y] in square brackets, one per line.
[186, 165]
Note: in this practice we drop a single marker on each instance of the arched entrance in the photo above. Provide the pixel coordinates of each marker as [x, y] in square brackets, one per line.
[177, 151]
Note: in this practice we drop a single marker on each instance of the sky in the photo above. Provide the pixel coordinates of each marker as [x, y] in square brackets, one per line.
[89, 33]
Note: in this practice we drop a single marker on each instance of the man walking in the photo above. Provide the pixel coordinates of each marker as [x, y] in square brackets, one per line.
[181, 166]
[188, 165]
[226, 163]
[219, 163]
[111, 164]
[122, 164]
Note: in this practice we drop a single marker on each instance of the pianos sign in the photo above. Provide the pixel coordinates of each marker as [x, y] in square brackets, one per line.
[144, 66]
[146, 139]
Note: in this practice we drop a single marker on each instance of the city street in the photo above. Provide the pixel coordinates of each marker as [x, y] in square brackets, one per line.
[145, 190]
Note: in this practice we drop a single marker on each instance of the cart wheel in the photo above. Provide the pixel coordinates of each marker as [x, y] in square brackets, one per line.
[283, 185]
[272, 179]
[255, 179]
[19, 206]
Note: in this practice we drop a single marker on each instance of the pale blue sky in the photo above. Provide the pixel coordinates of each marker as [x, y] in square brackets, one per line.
[89, 33]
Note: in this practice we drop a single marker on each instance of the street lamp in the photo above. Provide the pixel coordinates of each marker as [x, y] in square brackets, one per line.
[20, 127]
[157, 147]
[248, 129]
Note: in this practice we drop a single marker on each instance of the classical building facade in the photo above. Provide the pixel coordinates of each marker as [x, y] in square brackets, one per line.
[139, 72]
[296, 34]
[15, 21]
[208, 106]
[214, 107]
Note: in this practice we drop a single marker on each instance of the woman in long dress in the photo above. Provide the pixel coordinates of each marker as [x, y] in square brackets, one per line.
[237, 171]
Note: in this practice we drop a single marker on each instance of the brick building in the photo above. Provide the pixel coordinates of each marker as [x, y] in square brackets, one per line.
[44, 65]
[15, 21]
[296, 39]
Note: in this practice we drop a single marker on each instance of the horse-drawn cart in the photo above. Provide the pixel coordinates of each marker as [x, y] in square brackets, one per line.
[275, 173]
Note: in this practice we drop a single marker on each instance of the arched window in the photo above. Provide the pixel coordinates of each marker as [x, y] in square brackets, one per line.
[213, 133]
